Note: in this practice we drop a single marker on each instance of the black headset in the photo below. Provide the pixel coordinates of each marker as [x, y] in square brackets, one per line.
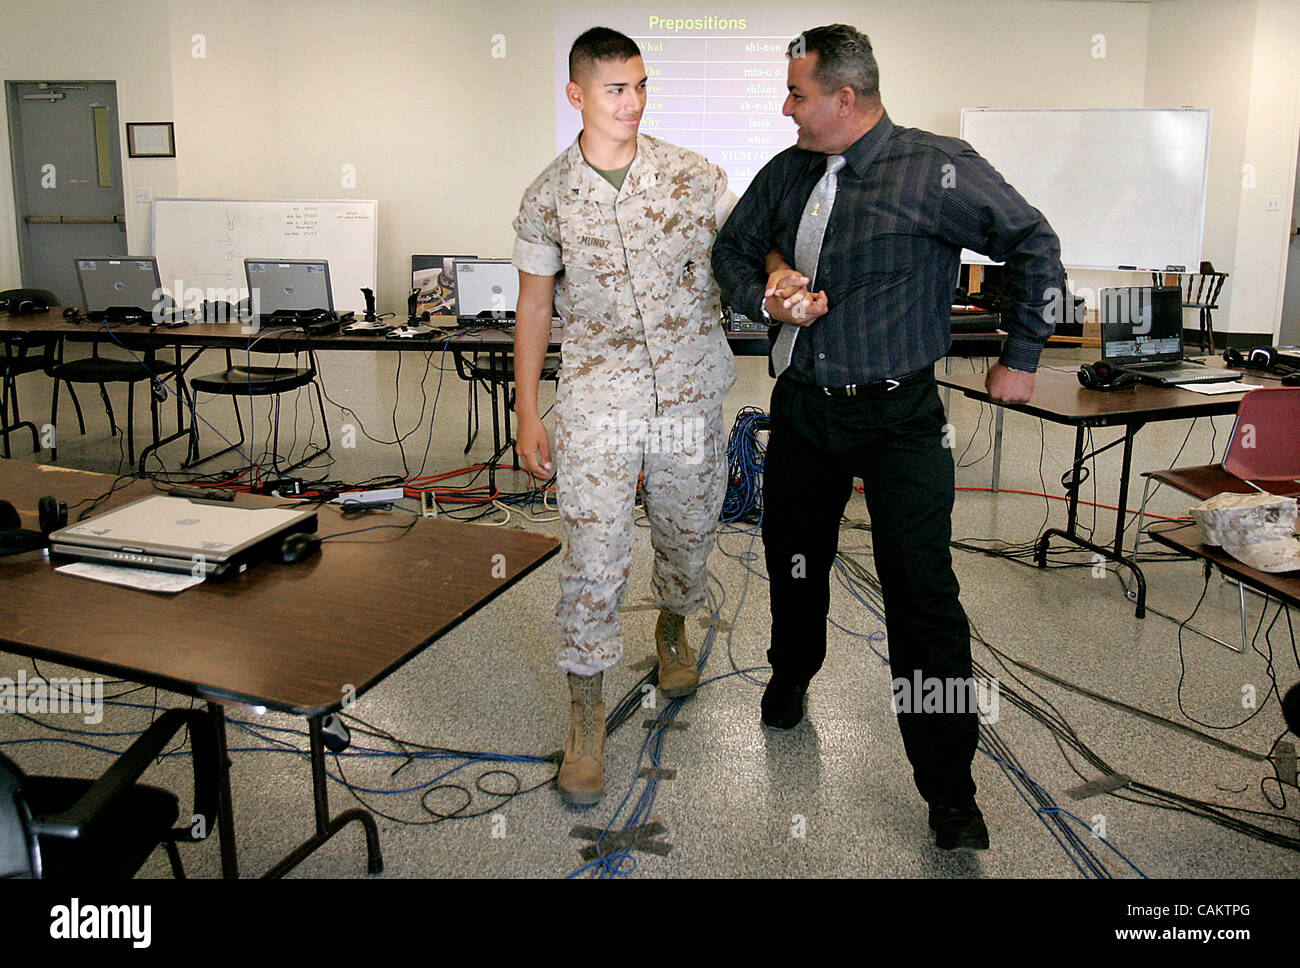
[1262, 358]
[15, 539]
[1102, 376]
[26, 302]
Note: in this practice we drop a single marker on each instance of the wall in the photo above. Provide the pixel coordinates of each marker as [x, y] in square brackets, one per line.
[57, 40]
[1272, 129]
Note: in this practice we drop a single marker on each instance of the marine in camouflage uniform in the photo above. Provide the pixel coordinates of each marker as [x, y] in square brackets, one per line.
[645, 369]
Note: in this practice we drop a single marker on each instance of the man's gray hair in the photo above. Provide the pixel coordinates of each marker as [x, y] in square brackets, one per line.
[844, 59]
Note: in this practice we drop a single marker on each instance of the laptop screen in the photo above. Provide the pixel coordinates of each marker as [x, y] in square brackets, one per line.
[127, 282]
[488, 286]
[281, 285]
[1141, 323]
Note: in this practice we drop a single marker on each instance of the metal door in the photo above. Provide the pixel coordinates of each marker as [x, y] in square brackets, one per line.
[67, 167]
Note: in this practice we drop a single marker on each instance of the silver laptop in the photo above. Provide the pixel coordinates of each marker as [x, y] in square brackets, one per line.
[181, 535]
[1142, 333]
[123, 287]
[287, 287]
[486, 290]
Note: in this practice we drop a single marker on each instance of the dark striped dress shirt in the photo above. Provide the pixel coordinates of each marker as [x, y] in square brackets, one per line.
[907, 201]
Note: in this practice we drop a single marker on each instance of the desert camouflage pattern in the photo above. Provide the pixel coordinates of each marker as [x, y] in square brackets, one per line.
[645, 369]
[1257, 529]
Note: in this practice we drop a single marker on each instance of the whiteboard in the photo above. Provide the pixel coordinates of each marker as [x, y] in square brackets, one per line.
[1123, 188]
[202, 242]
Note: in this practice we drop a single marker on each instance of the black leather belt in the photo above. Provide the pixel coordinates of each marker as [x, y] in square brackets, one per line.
[876, 389]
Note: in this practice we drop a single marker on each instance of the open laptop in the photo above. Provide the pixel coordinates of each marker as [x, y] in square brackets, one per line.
[1142, 334]
[123, 289]
[487, 291]
[177, 534]
[289, 289]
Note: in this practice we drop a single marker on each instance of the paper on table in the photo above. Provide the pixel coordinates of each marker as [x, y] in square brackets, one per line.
[1231, 386]
[141, 578]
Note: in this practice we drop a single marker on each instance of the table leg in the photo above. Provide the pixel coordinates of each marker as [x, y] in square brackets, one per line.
[1115, 553]
[181, 395]
[325, 827]
[225, 803]
[997, 447]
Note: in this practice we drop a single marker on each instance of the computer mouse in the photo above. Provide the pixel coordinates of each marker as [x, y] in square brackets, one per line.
[298, 547]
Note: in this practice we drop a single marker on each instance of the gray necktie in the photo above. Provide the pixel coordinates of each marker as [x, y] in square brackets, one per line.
[807, 252]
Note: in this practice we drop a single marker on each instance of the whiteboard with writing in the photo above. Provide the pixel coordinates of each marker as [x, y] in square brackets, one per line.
[1124, 188]
[202, 242]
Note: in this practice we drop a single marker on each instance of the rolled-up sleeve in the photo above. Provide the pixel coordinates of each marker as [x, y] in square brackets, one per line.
[537, 244]
[983, 213]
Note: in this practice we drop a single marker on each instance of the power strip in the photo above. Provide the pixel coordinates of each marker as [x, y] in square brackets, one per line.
[365, 499]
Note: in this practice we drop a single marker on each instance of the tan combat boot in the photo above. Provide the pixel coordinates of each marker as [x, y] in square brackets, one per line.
[582, 774]
[678, 675]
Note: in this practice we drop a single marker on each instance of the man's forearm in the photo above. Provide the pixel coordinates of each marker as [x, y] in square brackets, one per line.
[532, 337]
[775, 261]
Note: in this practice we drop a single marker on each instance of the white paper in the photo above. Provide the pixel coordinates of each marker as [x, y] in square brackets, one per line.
[142, 578]
[152, 139]
[1231, 386]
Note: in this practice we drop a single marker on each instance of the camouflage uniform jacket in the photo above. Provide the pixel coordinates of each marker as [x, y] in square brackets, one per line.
[635, 285]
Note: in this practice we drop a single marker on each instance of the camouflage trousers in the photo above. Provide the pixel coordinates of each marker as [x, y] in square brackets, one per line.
[599, 453]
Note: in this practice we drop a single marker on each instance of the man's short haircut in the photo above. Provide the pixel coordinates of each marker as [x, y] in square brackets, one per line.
[600, 44]
[844, 59]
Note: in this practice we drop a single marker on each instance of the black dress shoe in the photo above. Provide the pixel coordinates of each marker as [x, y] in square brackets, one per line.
[958, 826]
[782, 703]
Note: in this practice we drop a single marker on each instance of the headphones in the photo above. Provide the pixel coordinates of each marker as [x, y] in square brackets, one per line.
[1102, 376]
[15, 539]
[27, 302]
[1265, 358]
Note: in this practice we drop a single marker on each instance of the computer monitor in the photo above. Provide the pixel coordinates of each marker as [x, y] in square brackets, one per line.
[289, 285]
[486, 288]
[120, 282]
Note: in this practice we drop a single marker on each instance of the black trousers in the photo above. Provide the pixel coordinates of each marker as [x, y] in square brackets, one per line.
[894, 442]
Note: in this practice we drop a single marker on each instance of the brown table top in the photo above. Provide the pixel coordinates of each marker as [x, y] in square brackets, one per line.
[234, 335]
[1187, 539]
[1059, 397]
[289, 637]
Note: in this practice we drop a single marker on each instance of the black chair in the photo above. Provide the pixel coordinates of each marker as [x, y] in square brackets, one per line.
[495, 372]
[146, 367]
[26, 353]
[62, 828]
[249, 380]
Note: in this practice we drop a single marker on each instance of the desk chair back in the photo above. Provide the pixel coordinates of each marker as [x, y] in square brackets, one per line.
[19, 855]
[1265, 444]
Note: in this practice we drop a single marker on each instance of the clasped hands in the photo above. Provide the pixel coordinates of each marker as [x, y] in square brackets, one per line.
[787, 299]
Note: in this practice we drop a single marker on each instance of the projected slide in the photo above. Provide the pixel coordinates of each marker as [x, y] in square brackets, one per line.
[716, 81]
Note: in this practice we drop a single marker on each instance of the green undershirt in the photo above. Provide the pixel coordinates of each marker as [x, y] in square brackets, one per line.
[614, 177]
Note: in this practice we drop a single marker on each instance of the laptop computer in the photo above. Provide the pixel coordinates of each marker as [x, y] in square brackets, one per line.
[286, 290]
[487, 291]
[123, 289]
[178, 534]
[1142, 334]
